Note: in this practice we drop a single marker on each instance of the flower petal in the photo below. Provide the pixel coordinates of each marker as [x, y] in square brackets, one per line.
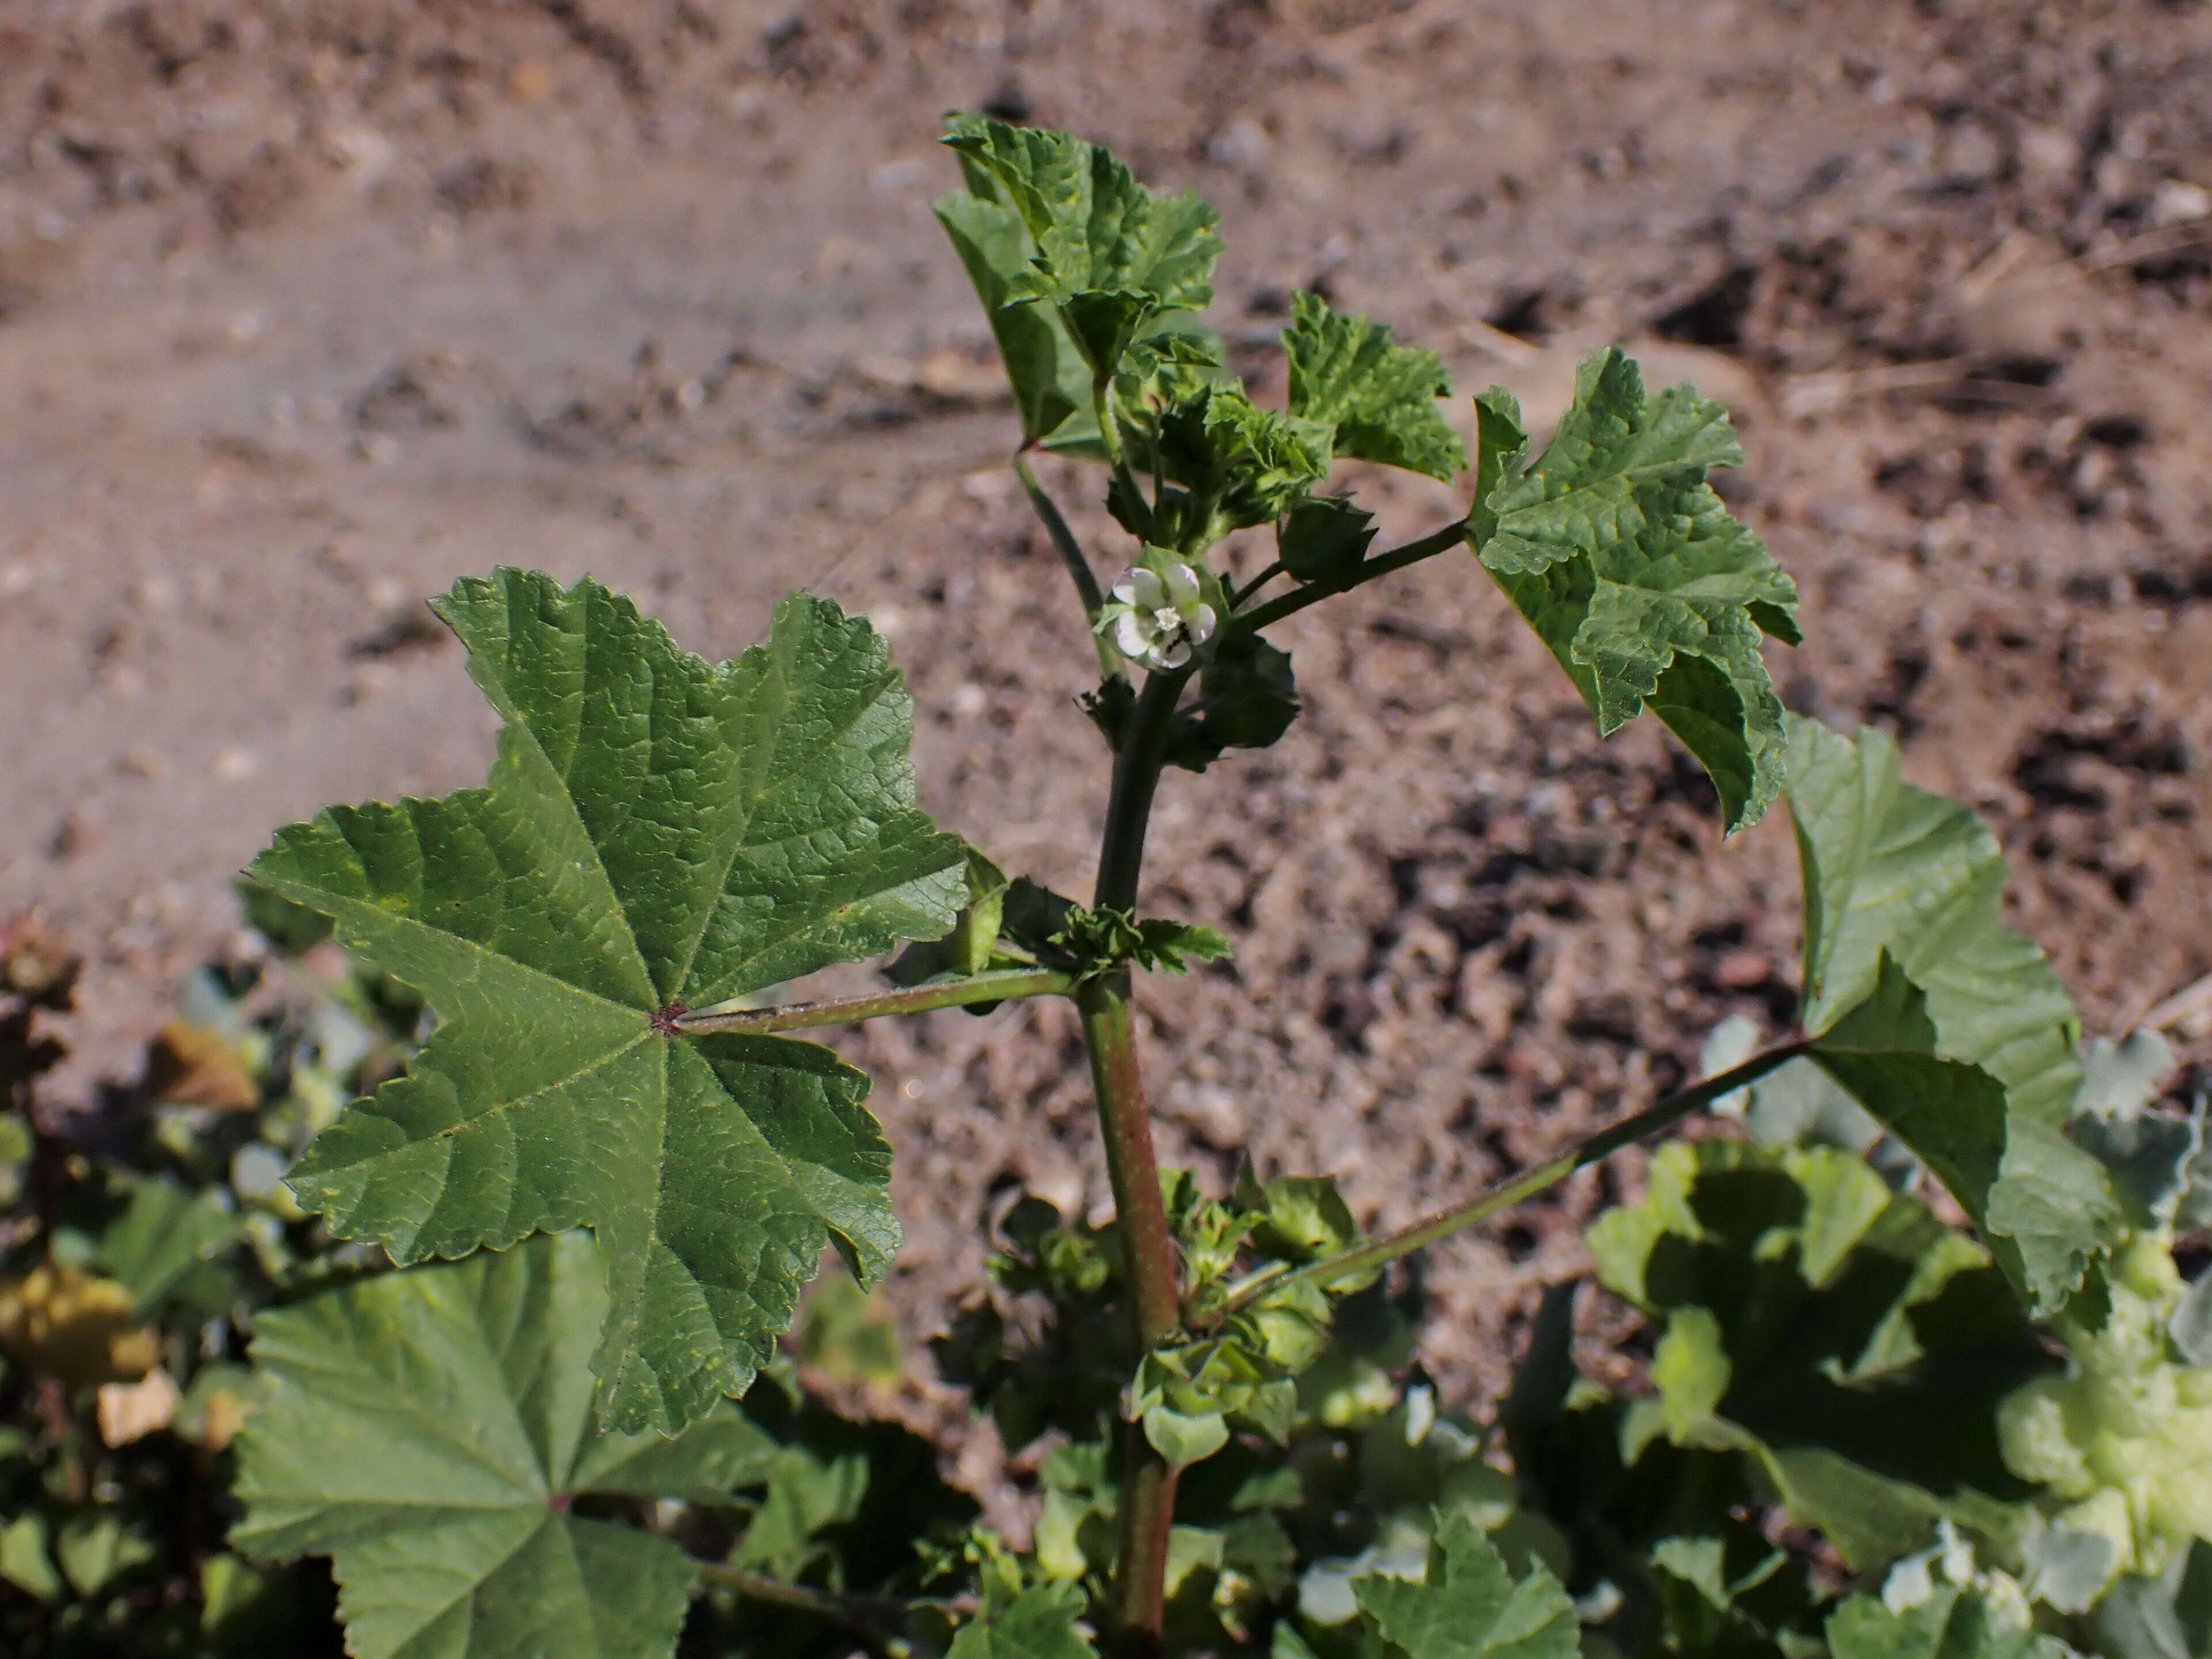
[1173, 654]
[1125, 586]
[1131, 635]
[1200, 620]
[1181, 582]
[1145, 591]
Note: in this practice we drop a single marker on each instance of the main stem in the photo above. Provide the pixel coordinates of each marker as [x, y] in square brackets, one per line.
[1139, 1605]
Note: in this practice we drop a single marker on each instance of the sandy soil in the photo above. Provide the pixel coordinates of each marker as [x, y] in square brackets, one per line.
[306, 308]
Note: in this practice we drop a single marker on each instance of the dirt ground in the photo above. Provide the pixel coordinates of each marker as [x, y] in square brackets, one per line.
[307, 306]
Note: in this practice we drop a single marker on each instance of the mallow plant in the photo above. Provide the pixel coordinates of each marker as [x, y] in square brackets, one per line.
[1926, 1378]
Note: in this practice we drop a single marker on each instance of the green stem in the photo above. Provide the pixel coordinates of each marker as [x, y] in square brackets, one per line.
[1136, 778]
[1377, 1252]
[1006, 985]
[1243, 596]
[1079, 567]
[1138, 1604]
[1289, 605]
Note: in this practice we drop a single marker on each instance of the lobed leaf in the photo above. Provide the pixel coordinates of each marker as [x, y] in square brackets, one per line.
[1109, 255]
[657, 833]
[1380, 397]
[1037, 1623]
[1829, 1330]
[1629, 568]
[428, 1431]
[1942, 1022]
[1469, 1607]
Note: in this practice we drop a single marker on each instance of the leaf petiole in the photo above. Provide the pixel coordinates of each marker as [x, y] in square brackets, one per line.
[1079, 567]
[1243, 595]
[1008, 985]
[1289, 605]
[1378, 1252]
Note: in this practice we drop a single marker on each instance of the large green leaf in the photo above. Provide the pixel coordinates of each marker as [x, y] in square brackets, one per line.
[1108, 254]
[428, 1431]
[1946, 1025]
[1380, 397]
[657, 833]
[1629, 568]
[1834, 1333]
[1469, 1607]
[1891, 868]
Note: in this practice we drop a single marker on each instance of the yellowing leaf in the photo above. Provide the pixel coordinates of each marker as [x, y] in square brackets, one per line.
[132, 1411]
[83, 1330]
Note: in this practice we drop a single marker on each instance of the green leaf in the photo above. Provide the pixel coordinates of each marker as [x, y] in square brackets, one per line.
[1629, 568]
[25, 1560]
[163, 1236]
[657, 833]
[1237, 464]
[1943, 1022]
[1890, 868]
[974, 946]
[1324, 538]
[1092, 942]
[1953, 1624]
[427, 1430]
[1247, 698]
[1381, 397]
[1051, 382]
[1182, 1437]
[1469, 1607]
[96, 1549]
[2048, 1208]
[1037, 1623]
[1109, 255]
[1832, 1332]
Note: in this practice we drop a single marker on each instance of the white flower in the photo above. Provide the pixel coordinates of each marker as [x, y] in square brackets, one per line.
[1159, 618]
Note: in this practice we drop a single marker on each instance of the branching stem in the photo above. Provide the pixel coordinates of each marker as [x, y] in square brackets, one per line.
[1007, 986]
[1376, 1252]
[1289, 605]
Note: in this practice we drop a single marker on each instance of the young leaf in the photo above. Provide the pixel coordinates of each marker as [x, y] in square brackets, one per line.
[1247, 698]
[657, 833]
[1051, 382]
[1110, 255]
[1629, 568]
[1324, 538]
[1380, 397]
[1944, 1024]
[1237, 464]
[427, 1430]
[1037, 1623]
[1470, 1608]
